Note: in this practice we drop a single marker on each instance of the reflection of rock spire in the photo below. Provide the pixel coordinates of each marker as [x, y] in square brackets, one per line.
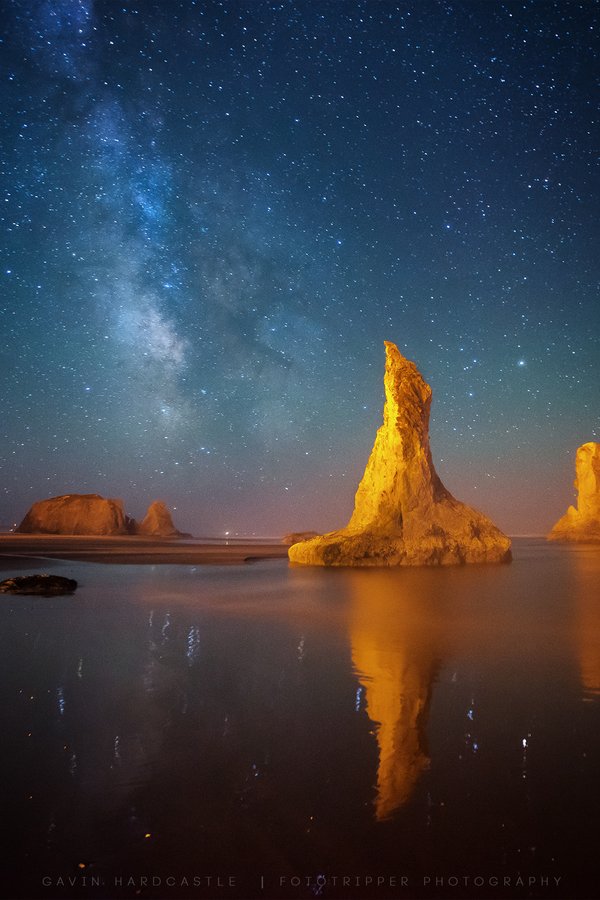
[403, 515]
[589, 645]
[397, 702]
[394, 650]
[587, 620]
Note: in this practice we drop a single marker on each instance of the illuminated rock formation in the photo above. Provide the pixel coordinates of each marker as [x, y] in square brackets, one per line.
[403, 515]
[158, 522]
[76, 514]
[583, 523]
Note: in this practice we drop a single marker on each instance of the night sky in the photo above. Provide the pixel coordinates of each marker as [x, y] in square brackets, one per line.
[214, 213]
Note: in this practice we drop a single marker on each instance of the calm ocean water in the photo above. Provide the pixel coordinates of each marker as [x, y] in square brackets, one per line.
[263, 731]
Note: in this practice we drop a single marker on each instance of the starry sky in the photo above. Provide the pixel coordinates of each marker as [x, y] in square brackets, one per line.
[214, 213]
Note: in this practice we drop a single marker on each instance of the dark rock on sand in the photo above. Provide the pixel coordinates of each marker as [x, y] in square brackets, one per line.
[47, 585]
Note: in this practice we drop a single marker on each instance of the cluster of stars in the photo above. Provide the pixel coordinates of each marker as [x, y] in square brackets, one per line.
[214, 214]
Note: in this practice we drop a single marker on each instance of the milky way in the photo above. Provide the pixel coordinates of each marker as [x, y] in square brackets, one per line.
[214, 214]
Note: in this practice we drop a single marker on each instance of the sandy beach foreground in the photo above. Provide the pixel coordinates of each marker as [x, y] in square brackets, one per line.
[135, 550]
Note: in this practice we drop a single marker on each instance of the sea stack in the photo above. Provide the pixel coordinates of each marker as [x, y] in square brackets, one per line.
[403, 515]
[583, 523]
[88, 514]
[158, 522]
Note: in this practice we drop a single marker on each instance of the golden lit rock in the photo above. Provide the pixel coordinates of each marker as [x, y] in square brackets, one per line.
[583, 523]
[403, 515]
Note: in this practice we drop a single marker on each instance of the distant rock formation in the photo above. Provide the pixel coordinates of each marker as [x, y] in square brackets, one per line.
[583, 523]
[295, 536]
[158, 522]
[76, 514]
[403, 515]
[93, 515]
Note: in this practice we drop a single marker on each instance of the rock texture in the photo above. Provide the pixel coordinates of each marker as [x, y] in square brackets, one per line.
[403, 515]
[583, 523]
[158, 522]
[76, 514]
[295, 536]
[46, 585]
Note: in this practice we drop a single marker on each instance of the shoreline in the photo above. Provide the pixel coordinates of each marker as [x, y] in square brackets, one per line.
[134, 550]
[36, 550]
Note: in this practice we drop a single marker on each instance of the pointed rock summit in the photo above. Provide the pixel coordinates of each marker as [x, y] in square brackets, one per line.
[158, 522]
[403, 515]
[583, 523]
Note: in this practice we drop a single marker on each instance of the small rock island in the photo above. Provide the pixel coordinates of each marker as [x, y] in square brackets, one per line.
[403, 515]
[158, 522]
[583, 523]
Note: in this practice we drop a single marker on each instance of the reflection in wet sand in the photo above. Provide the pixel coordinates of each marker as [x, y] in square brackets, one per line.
[587, 621]
[169, 718]
[396, 649]
[589, 645]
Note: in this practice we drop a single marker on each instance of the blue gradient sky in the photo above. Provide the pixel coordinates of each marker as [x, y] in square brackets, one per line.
[214, 214]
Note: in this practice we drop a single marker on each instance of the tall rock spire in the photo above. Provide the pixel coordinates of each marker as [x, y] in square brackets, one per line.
[403, 515]
[400, 474]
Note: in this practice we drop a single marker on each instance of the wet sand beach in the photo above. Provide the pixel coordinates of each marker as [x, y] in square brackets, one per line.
[414, 734]
[131, 550]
